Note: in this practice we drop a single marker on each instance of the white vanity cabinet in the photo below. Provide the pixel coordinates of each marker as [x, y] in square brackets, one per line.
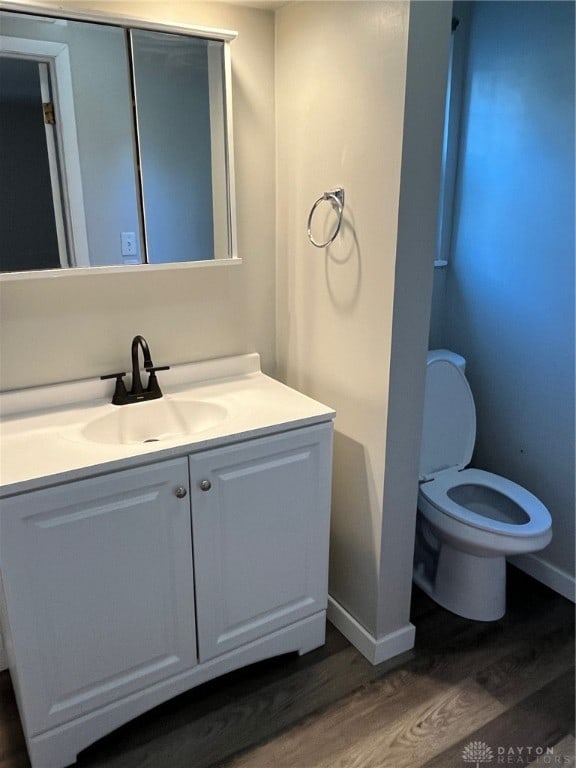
[127, 588]
[98, 583]
[260, 516]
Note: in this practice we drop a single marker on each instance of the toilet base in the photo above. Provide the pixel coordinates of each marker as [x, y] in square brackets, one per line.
[470, 586]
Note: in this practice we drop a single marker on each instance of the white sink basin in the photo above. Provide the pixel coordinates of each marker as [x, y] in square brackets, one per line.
[153, 421]
[63, 431]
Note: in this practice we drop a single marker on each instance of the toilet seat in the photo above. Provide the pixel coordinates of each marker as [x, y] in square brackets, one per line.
[436, 493]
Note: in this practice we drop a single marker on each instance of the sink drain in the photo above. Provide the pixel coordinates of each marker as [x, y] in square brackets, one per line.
[152, 440]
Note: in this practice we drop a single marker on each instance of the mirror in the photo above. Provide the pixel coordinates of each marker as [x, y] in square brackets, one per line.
[115, 144]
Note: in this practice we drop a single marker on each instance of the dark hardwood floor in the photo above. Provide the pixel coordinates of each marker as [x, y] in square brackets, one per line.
[469, 694]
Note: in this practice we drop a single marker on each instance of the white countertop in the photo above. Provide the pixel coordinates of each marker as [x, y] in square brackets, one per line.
[41, 441]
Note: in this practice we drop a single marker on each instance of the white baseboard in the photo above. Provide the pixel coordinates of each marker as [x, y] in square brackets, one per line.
[376, 650]
[3, 658]
[3, 654]
[548, 574]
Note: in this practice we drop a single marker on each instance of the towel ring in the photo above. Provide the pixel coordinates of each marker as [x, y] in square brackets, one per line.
[336, 197]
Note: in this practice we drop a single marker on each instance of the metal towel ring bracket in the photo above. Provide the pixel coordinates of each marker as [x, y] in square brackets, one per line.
[336, 197]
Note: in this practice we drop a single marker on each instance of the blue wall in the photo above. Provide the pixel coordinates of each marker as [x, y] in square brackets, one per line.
[506, 300]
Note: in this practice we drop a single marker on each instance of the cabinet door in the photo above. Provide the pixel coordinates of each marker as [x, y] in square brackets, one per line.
[98, 581]
[260, 532]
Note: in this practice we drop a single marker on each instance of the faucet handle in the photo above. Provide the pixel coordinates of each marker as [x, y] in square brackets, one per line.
[153, 389]
[154, 368]
[117, 376]
[120, 396]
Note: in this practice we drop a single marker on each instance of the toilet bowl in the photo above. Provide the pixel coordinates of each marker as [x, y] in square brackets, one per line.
[468, 520]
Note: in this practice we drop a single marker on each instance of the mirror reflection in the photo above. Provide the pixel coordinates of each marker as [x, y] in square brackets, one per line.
[114, 147]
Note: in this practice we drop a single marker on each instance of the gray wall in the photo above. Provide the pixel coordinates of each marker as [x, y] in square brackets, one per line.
[104, 123]
[173, 108]
[506, 301]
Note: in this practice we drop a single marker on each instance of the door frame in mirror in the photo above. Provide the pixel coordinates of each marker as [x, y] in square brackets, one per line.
[225, 36]
[57, 54]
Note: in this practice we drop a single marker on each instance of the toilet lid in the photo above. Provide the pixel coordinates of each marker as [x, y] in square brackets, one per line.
[449, 429]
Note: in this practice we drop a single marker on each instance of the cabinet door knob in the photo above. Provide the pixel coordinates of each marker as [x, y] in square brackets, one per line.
[205, 485]
[180, 492]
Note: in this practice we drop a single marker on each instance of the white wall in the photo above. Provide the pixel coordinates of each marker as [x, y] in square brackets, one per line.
[80, 326]
[341, 87]
[428, 48]
[509, 293]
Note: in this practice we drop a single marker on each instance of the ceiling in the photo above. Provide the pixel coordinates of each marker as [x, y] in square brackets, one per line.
[267, 5]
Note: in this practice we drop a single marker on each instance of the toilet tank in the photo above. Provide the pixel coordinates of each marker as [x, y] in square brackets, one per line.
[446, 354]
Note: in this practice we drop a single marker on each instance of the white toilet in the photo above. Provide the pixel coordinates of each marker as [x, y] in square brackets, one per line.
[468, 520]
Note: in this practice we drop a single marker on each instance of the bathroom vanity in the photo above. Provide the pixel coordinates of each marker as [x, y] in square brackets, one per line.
[147, 548]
